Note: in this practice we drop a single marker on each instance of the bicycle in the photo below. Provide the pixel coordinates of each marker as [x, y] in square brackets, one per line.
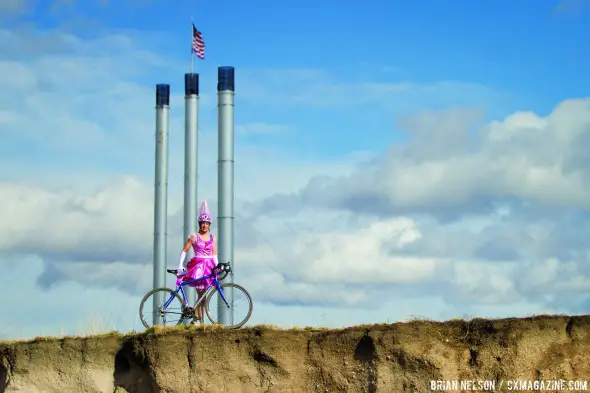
[186, 311]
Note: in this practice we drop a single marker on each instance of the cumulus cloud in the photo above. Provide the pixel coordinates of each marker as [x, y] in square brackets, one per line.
[110, 225]
[487, 206]
[448, 169]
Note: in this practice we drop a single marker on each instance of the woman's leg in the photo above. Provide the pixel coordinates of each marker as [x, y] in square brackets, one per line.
[201, 307]
[208, 266]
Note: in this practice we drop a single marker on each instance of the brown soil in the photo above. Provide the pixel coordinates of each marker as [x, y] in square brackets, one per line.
[402, 357]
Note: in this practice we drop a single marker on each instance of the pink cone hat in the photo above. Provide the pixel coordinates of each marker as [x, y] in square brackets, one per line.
[205, 214]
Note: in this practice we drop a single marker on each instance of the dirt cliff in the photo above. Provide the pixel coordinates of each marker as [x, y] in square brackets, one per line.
[401, 357]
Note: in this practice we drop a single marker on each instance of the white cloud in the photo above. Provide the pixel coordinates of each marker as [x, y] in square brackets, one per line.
[318, 260]
[113, 223]
[504, 203]
[355, 256]
[541, 160]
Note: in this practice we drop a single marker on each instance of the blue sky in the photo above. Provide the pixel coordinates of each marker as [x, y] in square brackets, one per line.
[431, 152]
[509, 50]
[508, 45]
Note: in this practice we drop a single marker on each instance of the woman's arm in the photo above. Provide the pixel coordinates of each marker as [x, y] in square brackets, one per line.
[186, 247]
[214, 250]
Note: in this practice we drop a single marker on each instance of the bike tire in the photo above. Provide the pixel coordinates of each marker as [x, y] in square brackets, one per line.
[236, 287]
[168, 291]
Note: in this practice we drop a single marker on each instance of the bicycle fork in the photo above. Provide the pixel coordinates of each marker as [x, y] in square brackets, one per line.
[221, 293]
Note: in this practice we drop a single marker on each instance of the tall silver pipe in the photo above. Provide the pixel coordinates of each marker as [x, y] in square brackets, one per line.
[191, 138]
[161, 192]
[225, 179]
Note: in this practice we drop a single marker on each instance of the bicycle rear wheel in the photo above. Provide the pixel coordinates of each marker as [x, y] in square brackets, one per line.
[154, 301]
[235, 296]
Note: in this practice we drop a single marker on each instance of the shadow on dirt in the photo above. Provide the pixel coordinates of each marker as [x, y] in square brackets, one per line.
[132, 371]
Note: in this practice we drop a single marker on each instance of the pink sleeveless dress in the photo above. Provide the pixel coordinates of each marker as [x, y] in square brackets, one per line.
[202, 263]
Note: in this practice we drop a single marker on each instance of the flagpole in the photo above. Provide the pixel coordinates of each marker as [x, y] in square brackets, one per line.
[192, 50]
[191, 111]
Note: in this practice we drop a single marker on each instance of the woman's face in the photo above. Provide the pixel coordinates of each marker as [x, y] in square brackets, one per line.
[204, 226]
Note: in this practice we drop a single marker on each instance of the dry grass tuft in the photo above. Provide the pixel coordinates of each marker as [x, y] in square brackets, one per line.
[161, 330]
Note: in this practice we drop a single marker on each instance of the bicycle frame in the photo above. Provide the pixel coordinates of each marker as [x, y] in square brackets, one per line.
[179, 287]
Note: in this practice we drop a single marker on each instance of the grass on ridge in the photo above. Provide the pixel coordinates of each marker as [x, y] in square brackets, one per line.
[96, 330]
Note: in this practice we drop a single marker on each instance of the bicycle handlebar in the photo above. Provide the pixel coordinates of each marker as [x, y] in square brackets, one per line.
[222, 269]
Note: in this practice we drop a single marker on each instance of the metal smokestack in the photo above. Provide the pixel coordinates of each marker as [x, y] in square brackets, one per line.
[225, 182]
[191, 112]
[161, 192]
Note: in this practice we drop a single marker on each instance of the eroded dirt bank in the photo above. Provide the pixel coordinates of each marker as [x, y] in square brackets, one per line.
[402, 357]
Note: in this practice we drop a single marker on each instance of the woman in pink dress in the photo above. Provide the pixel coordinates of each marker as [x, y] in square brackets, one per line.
[205, 259]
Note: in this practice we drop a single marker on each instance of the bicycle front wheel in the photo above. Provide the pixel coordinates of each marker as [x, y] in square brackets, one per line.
[234, 303]
[152, 305]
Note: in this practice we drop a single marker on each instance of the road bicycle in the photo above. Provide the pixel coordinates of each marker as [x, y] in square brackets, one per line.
[227, 297]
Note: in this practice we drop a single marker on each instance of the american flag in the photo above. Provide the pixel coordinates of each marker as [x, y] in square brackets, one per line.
[198, 43]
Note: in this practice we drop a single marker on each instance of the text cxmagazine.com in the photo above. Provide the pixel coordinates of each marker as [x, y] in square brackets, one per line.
[516, 385]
